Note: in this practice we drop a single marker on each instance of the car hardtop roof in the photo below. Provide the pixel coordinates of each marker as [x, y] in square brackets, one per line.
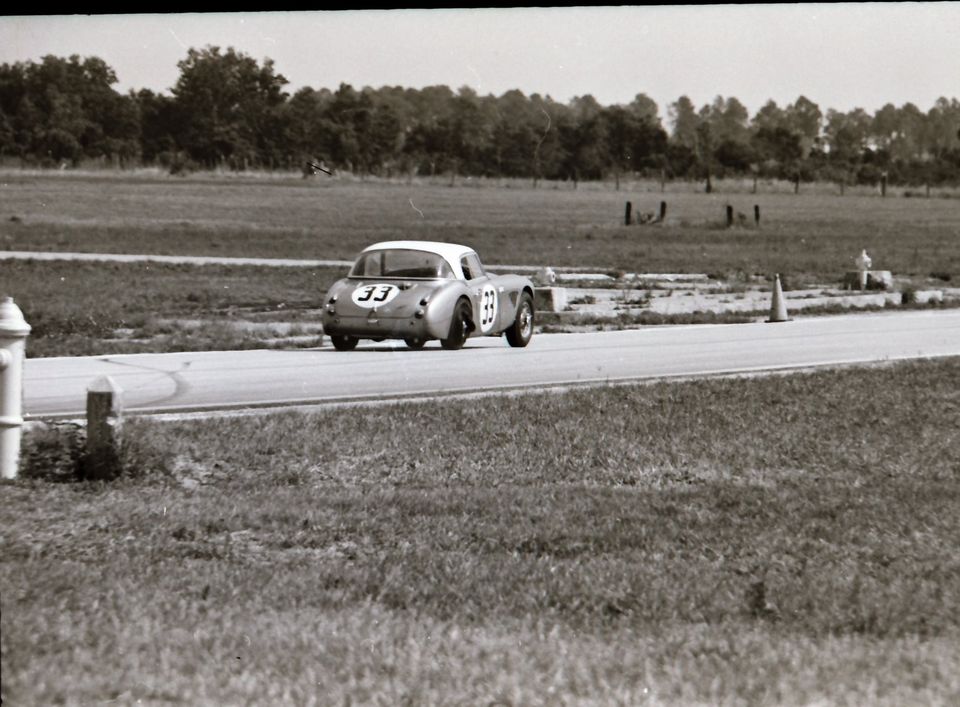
[451, 252]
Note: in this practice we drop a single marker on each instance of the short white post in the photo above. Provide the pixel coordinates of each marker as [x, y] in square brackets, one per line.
[863, 263]
[104, 425]
[13, 341]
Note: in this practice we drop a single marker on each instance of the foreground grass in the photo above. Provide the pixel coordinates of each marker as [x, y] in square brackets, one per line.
[812, 236]
[90, 308]
[784, 540]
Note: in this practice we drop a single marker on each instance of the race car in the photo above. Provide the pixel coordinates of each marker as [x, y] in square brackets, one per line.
[419, 291]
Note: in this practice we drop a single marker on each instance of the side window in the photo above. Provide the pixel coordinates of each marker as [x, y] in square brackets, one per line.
[472, 269]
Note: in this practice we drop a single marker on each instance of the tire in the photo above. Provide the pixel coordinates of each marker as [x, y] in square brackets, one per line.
[520, 332]
[460, 327]
[343, 342]
[415, 342]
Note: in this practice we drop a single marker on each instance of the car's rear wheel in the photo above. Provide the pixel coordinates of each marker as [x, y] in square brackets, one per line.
[521, 330]
[415, 342]
[459, 327]
[344, 342]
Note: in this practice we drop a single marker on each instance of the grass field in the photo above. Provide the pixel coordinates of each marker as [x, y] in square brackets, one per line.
[783, 540]
[816, 235]
[90, 308]
[810, 239]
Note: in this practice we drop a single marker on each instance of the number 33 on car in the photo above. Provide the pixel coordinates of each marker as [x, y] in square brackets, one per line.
[419, 291]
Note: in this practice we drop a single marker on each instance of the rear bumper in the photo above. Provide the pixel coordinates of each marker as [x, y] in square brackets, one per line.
[381, 328]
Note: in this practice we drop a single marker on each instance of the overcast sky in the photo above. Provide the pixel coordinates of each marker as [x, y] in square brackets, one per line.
[840, 56]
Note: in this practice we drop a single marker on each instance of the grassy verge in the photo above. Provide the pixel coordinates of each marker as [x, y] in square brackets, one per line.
[87, 308]
[811, 235]
[786, 540]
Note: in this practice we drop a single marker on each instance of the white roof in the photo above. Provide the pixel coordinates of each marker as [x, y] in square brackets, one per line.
[447, 250]
[451, 252]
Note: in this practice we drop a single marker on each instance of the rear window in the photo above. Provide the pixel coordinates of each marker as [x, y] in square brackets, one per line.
[401, 263]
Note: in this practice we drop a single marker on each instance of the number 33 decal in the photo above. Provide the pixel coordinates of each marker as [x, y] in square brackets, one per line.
[488, 308]
[374, 295]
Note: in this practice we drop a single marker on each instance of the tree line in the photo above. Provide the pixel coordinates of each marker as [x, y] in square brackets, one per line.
[229, 111]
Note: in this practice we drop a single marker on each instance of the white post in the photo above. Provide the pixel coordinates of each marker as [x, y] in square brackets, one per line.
[863, 262]
[13, 334]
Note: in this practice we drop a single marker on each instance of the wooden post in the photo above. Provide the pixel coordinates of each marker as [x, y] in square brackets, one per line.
[756, 214]
[626, 213]
[663, 211]
[729, 216]
[883, 184]
[104, 425]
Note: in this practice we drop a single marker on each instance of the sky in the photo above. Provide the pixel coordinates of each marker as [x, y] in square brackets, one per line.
[841, 56]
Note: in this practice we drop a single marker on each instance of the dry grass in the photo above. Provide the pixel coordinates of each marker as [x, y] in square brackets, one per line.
[813, 234]
[810, 239]
[90, 308]
[787, 540]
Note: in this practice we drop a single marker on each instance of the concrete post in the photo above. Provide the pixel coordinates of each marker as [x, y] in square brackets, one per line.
[863, 263]
[13, 339]
[104, 425]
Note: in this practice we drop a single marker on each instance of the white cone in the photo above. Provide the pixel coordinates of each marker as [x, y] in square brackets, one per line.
[778, 306]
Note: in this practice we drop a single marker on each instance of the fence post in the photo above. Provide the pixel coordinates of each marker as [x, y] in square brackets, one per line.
[626, 213]
[756, 214]
[883, 184]
[104, 425]
[13, 335]
[663, 211]
[729, 216]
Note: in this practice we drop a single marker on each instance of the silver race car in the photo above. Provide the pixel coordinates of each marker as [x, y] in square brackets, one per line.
[423, 290]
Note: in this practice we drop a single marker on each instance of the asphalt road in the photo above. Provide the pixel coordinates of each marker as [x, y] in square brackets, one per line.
[163, 383]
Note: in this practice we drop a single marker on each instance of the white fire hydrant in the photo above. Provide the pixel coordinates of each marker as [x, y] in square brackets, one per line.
[13, 340]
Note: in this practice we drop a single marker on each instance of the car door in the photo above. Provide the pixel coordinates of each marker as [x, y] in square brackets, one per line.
[486, 298]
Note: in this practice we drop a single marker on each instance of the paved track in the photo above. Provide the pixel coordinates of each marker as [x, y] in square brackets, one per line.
[238, 379]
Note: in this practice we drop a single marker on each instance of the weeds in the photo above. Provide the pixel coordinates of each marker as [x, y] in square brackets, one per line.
[732, 539]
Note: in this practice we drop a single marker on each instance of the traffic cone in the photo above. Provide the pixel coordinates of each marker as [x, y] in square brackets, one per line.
[778, 307]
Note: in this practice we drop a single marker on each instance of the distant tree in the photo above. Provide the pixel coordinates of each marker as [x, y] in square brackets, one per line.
[66, 109]
[728, 120]
[645, 109]
[550, 153]
[583, 139]
[619, 127]
[780, 145]
[467, 133]
[735, 155]
[846, 134]
[232, 104]
[514, 137]
[769, 117]
[382, 143]
[943, 124]
[683, 117]
[7, 142]
[803, 116]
